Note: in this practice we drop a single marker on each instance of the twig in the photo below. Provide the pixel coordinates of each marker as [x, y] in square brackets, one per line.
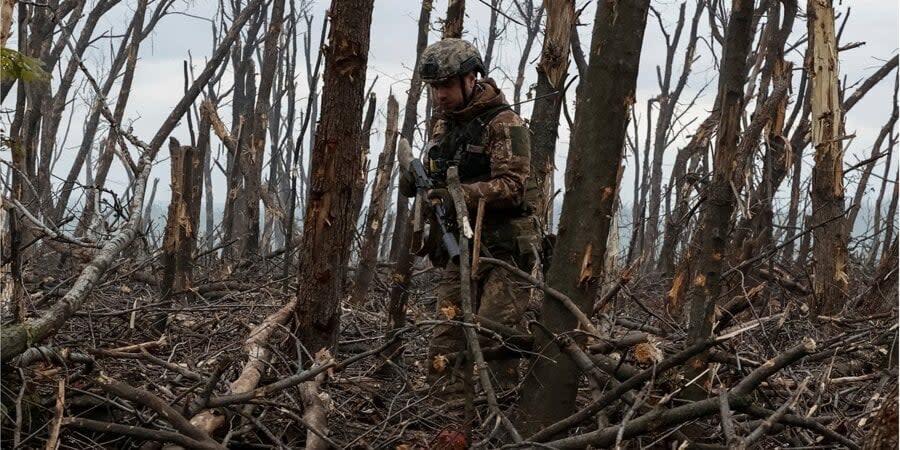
[476, 246]
[166, 412]
[661, 418]
[770, 421]
[144, 355]
[53, 440]
[627, 385]
[294, 380]
[803, 422]
[161, 342]
[552, 293]
[456, 192]
[140, 433]
[727, 423]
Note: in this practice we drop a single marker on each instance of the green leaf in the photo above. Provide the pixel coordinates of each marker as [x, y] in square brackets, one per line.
[16, 66]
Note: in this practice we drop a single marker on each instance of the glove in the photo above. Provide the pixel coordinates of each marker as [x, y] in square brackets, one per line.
[441, 196]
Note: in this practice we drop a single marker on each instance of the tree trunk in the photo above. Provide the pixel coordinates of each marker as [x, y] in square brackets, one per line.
[181, 226]
[863, 182]
[873, 253]
[252, 165]
[830, 269]
[592, 167]
[668, 100]
[52, 110]
[112, 138]
[329, 222]
[400, 241]
[492, 36]
[755, 232]
[720, 202]
[359, 190]
[551, 75]
[683, 183]
[453, 24]
[93, 120]
[532, 26]
[368, 253]
[891, 216]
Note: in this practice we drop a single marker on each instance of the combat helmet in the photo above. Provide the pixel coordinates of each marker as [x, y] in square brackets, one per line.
[449, 57]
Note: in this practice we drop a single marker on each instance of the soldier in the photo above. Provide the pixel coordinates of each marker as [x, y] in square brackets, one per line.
[477, 131]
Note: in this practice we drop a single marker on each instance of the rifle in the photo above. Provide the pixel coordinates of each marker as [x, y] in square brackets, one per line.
[423, 184]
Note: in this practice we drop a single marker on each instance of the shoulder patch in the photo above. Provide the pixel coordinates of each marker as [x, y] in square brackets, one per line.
[520, 138]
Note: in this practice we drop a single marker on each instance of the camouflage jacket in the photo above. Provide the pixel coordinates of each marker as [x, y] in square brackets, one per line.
[505, 142]
[505, 146]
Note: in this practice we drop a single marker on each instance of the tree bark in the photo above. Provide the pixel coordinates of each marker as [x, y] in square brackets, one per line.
[492, 36]
[400, 240]
[720, 202]
[180, 239]
[830, 270]
[592, 167]
[368, 253]
[329, 223]
[453, 24]
[532, 26]
[252, 165]
[551, 75]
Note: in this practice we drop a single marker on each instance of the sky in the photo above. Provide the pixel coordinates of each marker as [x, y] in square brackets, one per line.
[158, 83]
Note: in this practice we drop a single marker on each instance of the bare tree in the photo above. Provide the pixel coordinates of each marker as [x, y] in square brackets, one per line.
[668, 100]
[329, 223]
[592, 171]
[869, 163]
[532, 21]
[182, 225]
[720, 194]
[877, 221]
[831, 271]
[374, 219]
[400, 241]
[551, 76]
[493, 32]
[453, 23]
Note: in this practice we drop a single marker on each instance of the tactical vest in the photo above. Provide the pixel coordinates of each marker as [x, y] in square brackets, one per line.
[462, 146]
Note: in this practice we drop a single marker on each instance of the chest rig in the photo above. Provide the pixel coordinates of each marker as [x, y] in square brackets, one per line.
[462, 147]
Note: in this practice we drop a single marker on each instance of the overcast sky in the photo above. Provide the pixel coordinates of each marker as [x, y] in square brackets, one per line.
[158, 83]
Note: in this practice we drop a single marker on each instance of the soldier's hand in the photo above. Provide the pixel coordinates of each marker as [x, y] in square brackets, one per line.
[440, 196]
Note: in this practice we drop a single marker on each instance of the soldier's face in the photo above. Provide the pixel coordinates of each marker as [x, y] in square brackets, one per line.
[448, 94]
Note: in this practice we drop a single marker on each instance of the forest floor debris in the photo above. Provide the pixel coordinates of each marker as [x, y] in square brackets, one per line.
[164, 361]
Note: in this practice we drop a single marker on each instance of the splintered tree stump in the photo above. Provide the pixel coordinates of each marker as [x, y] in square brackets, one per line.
[182, 223]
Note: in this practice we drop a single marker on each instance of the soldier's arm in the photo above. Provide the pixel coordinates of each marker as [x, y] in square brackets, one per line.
[508, 145]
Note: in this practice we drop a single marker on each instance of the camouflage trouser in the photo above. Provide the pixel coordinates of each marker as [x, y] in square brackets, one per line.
[496, 296]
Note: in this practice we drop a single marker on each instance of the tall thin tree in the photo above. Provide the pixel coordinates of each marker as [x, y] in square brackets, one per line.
[592, 167]
[329, 223]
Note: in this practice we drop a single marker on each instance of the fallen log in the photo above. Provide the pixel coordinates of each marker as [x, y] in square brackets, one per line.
[257, 359]
[18, 337]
